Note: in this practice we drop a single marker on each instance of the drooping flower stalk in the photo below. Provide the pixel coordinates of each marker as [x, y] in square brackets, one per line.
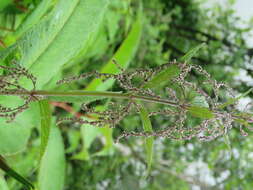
[180, 102]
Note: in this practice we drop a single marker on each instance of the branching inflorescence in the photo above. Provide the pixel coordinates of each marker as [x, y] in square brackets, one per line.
[182, 101]
[10, 84]
[208, 128]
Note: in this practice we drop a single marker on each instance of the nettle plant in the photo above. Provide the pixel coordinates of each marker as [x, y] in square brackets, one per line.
[204, 110]
[212, 103]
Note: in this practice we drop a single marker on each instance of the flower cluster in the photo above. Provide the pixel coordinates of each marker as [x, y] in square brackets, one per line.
[10, 84]
[205, 110]
[213, 94]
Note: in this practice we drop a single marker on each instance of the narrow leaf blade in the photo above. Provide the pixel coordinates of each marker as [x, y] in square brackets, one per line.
[45, 114]
[149, 141]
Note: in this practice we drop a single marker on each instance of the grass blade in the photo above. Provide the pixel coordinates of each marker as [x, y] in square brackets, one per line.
[149, 141]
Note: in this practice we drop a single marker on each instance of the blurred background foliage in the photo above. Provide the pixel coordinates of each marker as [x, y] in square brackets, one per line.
[170, 28]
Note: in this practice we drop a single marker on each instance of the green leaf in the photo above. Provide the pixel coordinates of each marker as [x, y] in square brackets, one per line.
[45, 115]
[3, 184]
[164, 76]
[4, 4]
[52, 167]
[12, 173]
[74, 140]
[108, 145]
[59, 37]
[200, 112]
[233, 100]
[34, 17]
[187, 57]
[88, 134]
[45, 48]
[149, 141]
[14, 135]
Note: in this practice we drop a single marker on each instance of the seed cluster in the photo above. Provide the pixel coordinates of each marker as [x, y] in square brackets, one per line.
[9, 83]
[175, 104]
[206, 129]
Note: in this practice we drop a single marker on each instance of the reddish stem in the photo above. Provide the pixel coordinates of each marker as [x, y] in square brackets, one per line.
[69, 109]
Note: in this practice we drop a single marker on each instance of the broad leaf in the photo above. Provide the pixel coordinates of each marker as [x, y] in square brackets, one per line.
[58, 37]
[14, 135]
[34, 17]
[44, 49]
[52, 167]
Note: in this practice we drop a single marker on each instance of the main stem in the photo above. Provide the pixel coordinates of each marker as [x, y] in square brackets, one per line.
[118, 95]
